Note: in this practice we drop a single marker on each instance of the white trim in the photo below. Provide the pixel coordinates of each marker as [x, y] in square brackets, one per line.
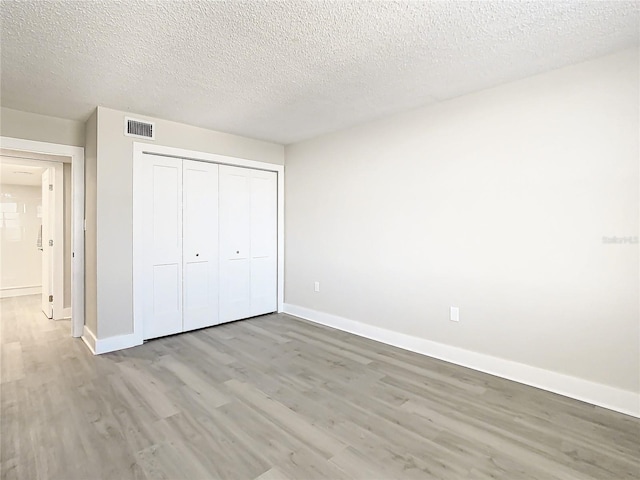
[612, 398]
[77, 243]
[119, 342]
[109, 344]
[141, 148]
[7, 292]
[66, 313]
[138, 235]
[89, 338]
[280, 174]
[77, 222]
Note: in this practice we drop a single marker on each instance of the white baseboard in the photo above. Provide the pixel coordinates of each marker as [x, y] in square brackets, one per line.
[619, 400]
[120, 342]
[66, 313]
[109, 344]
[89, 338]
[20, 291]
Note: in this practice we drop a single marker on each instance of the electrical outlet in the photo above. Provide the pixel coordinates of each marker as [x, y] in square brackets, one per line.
[316, 286]
[454, 314]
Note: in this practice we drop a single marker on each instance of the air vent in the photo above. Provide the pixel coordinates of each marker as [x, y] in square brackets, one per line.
[139, 129]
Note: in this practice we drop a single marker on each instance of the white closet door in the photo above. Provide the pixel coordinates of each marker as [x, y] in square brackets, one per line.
[248, 242]
[161, 293]
[264, 242]
[235, 229]
[200, 244]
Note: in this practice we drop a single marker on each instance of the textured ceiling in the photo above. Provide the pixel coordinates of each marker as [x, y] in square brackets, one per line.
[286, 71]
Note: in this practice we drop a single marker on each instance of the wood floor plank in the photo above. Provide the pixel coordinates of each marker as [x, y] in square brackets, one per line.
[11, 362]
[314, 438]
[274, 474]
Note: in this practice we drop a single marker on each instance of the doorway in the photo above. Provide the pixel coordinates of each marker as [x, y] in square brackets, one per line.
[42, 203]
[32, 232]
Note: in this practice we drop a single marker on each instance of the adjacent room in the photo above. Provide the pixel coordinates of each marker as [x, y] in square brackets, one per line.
[320, 240]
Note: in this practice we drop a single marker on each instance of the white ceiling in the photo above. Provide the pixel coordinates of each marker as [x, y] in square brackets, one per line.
[13, 174]
[286, 71]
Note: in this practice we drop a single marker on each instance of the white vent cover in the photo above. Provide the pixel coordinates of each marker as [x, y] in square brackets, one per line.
[139, 128]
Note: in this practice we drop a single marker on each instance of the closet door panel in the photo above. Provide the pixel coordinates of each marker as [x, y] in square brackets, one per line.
[234, 214]
[200, 249]
[264, 245]
[263, 287]
[235, 291]
[235, 264]
[162, 293]
[166, 296]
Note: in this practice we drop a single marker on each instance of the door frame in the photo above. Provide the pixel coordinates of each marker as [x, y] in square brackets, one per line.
[139, 150]
[76, 154]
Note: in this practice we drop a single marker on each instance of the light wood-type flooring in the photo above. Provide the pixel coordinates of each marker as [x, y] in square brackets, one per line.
[275, 397]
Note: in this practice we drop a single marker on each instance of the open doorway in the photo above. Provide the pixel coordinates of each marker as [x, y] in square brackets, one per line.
[42, 210]
[34, 232]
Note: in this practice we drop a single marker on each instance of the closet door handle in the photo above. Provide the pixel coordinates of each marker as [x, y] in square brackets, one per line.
[197, 254]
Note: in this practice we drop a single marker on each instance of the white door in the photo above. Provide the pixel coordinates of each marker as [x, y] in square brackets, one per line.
[248, 242]
[235, 224]
[200, 244]
[47, 238]
[264, 242]
[161, 292]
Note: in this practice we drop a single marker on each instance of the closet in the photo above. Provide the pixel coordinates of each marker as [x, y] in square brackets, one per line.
[209, 244]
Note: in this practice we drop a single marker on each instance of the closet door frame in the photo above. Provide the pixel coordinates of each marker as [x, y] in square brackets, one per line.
[139, 151]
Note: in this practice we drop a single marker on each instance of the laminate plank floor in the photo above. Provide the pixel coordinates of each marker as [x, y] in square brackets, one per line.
[275, 397]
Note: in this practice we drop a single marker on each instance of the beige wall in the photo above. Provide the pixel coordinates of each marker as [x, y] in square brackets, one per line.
[41, 128]
[496, 202]
[90, 209]
[114, 205]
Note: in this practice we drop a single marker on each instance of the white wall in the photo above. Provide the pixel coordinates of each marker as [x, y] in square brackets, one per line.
[114, 204]
[496, 202]
[21, 261]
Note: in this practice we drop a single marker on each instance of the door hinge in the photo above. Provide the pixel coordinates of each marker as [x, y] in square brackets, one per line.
[51, 298]
[51, 243]
[50, 187]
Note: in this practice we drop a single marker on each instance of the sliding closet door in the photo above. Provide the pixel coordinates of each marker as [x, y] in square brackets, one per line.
[200, 244]
[161, 292]
[235, 229]
[264, 242]
[248, 242]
